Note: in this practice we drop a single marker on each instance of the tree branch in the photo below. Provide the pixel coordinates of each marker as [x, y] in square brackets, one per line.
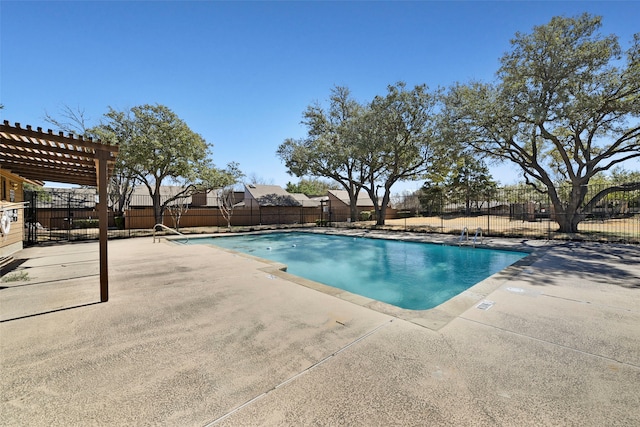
[602, 194]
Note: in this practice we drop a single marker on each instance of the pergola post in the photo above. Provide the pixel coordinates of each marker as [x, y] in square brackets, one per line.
[103, 222]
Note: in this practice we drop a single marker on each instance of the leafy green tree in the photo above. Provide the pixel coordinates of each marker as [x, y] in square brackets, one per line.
[565, 107]
[431, 197]
[311, 187]
[523, 192]
[118, 130]
[470, 181]
[398, 141]
[368, 147]
[620, 175]
[407, 202]
[157, 147]
[121, 181]
[330, 149]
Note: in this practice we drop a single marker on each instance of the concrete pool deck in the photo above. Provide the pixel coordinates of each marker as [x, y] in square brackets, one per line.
[195, 336]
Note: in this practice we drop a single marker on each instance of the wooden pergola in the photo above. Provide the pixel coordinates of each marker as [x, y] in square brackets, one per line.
[46, 156]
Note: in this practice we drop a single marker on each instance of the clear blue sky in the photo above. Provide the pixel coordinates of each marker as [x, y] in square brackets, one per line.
[241, 73]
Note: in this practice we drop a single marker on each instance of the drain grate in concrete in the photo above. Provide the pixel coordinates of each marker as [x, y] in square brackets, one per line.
[485, 305]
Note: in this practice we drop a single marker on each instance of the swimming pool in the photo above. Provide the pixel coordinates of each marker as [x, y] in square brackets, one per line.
[410, 275]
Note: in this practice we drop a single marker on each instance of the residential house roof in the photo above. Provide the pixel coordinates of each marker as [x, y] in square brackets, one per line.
[71, 198]
[140, 196]
[305, 201]
[363, 198]
[274, 195]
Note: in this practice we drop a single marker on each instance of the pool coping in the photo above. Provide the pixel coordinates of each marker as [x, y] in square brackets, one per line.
[434, 318]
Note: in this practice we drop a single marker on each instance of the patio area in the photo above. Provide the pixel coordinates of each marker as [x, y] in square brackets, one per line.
[197, 336]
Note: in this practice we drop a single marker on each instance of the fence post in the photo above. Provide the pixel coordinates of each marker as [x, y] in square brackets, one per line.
[549, 222]
[441, 212]
[488, 214]
[69, 223]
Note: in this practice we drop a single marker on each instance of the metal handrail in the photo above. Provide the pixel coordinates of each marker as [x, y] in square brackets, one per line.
[478, 230]
[155, 228]
[464, 230]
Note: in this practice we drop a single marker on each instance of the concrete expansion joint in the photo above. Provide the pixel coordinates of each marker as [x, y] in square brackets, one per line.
[299, 374]
[565, 298]
[48, 282]
[588, 302]
[586, 353]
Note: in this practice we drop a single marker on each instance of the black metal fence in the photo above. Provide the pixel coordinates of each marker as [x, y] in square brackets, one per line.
[521, 212]
[56, 214]
[72, 214]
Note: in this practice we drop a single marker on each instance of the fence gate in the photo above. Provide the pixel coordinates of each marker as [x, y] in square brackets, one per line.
[60, 215]
[30, 218]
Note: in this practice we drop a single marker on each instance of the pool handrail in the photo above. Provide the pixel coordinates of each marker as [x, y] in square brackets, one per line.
[164, 227]
[465, 230]
[475, 237]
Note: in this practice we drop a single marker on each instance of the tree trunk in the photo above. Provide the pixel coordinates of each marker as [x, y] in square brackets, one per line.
[569, 216]
[381, 214]
[568, 221]
[353, 205]
[157, 209]
[381, 209]
[353, 192]
[226, 200]
[353, 210]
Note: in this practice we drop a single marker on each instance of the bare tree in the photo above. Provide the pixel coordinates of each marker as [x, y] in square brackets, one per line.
[178, 207]
[72, 121]
[231, 176]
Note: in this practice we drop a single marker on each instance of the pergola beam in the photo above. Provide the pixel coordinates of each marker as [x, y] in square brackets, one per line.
[43, 172]
[57, 156]
[49, 146]
[69, 159]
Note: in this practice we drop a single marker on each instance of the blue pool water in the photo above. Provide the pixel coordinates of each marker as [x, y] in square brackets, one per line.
[410, 275]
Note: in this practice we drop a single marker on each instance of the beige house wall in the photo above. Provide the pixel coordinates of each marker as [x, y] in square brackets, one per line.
[341, 212]
[11, 199]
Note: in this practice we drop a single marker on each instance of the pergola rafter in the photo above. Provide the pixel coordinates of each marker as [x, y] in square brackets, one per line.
[69, 157]
[46, 156]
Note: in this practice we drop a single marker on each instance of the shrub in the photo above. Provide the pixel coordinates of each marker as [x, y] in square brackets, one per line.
[365, 216]
[85, 223]
[119, 221]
